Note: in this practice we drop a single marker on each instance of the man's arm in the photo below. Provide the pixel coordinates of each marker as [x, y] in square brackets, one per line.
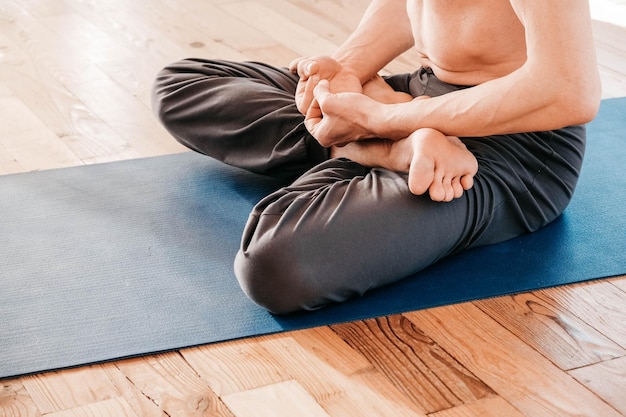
[556, 87]
[372, 45]
[383, 33]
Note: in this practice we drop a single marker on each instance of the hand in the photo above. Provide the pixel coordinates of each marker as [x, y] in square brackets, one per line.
[337, 119]
[312, 70]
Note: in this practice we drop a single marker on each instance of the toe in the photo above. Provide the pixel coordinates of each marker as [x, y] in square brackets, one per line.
[437, 190]
[457, 187]
[448, 189]
[467, 182]
[421, 176]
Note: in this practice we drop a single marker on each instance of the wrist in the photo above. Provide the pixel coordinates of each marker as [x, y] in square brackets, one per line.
[389, 122]
[353, 66]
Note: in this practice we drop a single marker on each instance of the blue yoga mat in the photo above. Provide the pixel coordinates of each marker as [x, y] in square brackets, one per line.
[129, 258]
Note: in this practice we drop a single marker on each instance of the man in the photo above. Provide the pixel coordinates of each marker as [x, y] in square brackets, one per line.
[384, 177]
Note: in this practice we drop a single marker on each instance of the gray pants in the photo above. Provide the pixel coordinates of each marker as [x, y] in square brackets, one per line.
[338, 229]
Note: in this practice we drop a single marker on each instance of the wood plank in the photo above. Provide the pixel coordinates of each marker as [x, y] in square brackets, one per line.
[16, 118]
[607, 379]
[243, 366]
[613, 82]
[104, 51]
[68, 389]
[142, 404]
[159, 34]
[8, 163]
[334, 19]
[127, 116]
[551, 329]
[75, 125]
[162, 26]
[278, 55]
[284, 399]
[240, 366]
[113, 407]
[295, 37]
[515, 371]
[235, 366]
[39, 8]
[364, 392]
[216, 23]
[15, 401]
[170, 383]
[128, 28]
[24, 133]
[4, 89]
[42, 61]
[600, 304]
[325, 345]
[619, 283]
[328, 347]
[611, 57]
[413, 362]
[43, 148]
[485, 407]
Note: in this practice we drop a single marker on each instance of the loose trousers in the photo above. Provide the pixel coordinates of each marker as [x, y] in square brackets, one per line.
[338, 229]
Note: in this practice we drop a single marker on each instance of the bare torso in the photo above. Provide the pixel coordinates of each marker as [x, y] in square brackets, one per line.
[467, 42]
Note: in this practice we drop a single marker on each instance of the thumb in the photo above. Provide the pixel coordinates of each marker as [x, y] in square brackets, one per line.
[322, 91]
[306, 67]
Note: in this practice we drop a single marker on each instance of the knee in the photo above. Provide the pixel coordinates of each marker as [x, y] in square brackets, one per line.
[180, 98]
[277, 279]
[164, 97]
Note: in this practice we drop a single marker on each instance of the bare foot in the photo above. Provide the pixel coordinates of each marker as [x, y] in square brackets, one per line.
[440, 164]
[436, 163]
[372, 153]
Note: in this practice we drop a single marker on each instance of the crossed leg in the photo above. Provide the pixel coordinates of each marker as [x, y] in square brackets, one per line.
[341, 228]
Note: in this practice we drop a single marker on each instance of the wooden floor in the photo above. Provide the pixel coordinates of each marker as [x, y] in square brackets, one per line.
[74, 89]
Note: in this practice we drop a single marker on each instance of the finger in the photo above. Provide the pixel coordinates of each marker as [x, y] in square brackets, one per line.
[306, 68]
[293, 65]
[305, 94]
[314, 111]
[322, 91]
[313, 118]
[311, 125]
[302, 101]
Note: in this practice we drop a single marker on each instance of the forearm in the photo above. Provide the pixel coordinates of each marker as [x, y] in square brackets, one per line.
[516, 103]
[375, 43]
[558, 85]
